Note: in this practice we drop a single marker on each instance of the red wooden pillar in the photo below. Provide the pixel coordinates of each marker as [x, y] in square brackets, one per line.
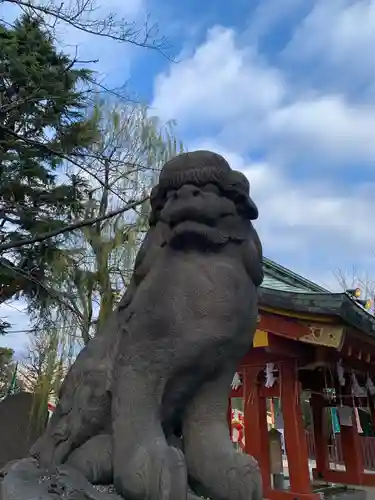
[229, 416]
[256, 431]
[352, 453]
[372, 409]
[295, 440]
[320, 435]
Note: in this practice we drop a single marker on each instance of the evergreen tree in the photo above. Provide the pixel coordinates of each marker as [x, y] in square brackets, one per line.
[43, 122]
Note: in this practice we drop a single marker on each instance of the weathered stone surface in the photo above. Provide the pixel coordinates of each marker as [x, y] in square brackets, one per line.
[25, 480]
[17, 432]
[162, 366]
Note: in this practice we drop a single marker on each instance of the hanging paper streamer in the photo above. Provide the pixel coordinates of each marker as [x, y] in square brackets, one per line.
[236, 382]
[270, 377]
[358, 421]
[335, 421]
[370, 386]
[346, 416]
[357, 390]
[340, 373]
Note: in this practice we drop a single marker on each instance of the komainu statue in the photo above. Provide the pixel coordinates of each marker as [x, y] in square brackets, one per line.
[144, 407]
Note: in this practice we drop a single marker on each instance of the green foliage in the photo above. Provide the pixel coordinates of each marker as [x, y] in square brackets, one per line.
[6, 369]
[43, 121]
[63, 159]
[94, 265]
[124, 166]
[42, 370]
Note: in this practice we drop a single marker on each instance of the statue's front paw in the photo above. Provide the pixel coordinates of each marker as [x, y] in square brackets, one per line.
[156, 472]
[244, 478]
[94, 459]
[227, 475]
[54, 445]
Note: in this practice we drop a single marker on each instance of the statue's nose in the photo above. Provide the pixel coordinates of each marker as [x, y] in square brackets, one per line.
[187, 191]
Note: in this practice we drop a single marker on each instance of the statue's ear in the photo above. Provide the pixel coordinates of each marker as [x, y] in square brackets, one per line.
[157, 200]
[238, 188]
[250, 210]
[253, 257]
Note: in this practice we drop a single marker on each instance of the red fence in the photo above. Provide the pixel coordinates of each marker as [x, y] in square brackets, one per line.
[335, 450]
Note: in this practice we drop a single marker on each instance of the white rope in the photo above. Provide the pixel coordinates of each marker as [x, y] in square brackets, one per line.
[270, 377]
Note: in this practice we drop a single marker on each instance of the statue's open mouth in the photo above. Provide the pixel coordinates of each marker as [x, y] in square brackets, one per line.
[186, 213]
[193, 233]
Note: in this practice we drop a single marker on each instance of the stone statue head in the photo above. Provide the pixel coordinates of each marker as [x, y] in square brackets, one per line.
[202, 201]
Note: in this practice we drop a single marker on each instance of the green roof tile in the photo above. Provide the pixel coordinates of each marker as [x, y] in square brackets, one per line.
[278, 277]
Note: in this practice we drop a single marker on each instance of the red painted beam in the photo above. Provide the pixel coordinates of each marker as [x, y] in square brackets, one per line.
[288, 348]
[284, 327]
[278, 349]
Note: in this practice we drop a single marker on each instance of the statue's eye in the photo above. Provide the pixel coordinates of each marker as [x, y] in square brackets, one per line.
[212, 188]
[171, 194]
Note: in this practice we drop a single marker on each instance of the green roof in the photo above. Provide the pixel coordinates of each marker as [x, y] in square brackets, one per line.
[284, 289]
[277, 277]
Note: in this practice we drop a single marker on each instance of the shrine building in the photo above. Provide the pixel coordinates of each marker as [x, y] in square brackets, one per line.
[317, 348]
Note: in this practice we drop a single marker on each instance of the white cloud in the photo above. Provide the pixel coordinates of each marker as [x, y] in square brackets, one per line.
[295, 216]
[219, 82]
[339, 35]
[252, 104]
[269, 14]
[309, 228]
[228, 91]
[326, 125]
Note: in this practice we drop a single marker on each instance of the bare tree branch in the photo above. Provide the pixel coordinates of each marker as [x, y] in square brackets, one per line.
[70, 227]
[112, 26]
[27, 276]
[59, 154]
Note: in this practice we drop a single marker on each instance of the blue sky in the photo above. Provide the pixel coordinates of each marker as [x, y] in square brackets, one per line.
[286, 91]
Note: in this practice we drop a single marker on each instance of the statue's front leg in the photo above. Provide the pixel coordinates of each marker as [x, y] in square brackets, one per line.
[144, 465]
[84, 403]
[69, 430]
[81, 413]
[212, 462]
[94, 459]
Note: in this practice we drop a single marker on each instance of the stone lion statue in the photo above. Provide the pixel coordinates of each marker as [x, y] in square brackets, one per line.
[144, 407]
